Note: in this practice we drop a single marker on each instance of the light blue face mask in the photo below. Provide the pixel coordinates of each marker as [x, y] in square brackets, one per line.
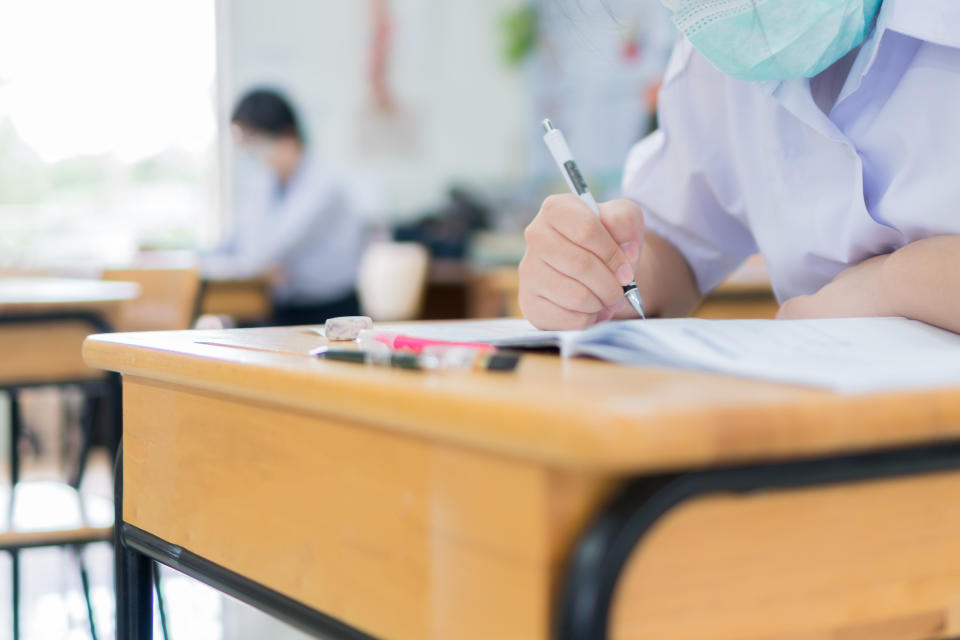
[774, 39]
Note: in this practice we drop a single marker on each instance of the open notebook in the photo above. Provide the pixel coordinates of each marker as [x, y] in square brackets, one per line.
[850, 355]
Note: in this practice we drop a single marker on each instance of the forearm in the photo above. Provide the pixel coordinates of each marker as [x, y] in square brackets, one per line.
[226, 265]
[922, 281]
[233, 258]
[665, 280]
[275, 243]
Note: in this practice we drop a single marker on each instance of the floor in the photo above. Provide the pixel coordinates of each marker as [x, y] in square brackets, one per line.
[52, 604]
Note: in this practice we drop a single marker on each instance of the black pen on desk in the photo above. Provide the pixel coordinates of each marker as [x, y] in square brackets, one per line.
[432, 359]
[571, 173]
[395, 359]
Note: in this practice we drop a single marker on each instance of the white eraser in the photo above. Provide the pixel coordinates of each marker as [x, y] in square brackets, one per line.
[346, 327]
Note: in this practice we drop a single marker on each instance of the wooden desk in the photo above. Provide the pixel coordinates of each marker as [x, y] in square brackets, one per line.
[745, 294]
[457, 290]
[568, 499]
[43, 322]
[44, 295]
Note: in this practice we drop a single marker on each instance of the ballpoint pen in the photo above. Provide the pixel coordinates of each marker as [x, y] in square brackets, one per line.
[432, 358]
[568, 167]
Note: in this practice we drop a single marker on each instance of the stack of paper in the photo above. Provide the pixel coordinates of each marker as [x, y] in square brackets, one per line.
[848, 354]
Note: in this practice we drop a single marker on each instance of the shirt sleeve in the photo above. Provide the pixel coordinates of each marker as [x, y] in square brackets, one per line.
[251, 200]
[683, 179]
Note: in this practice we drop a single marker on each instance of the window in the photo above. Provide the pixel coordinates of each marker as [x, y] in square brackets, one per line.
[107, 128]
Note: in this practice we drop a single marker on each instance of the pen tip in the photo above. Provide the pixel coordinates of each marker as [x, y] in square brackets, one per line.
[633, 297]
[547, 125]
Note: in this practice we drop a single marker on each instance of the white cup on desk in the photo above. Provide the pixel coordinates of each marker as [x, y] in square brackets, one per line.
[392, 279]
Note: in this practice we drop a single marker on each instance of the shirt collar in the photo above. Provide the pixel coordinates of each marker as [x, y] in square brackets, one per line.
[303, 168]
[936, 21]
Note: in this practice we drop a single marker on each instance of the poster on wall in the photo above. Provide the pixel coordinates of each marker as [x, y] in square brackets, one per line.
[387, 126]
[594, 71]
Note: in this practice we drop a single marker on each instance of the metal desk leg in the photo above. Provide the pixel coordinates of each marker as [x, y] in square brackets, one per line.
[15, 428]
[134, 575]
[113, 407]
[15, 584]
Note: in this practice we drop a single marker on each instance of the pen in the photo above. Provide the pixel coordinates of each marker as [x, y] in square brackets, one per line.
[433, 358]
[571, 173]
[384, 359]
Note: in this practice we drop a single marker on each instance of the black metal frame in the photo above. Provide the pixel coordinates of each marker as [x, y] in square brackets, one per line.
[601, 553]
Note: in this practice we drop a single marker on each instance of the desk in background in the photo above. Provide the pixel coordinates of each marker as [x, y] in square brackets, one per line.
[43, 323]
[457, 290]
[246, 300]
[745, 294]
[569, 499]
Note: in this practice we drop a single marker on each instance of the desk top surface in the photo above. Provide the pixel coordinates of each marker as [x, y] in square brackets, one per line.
[38, 294]
[750, 278]
[571, 413]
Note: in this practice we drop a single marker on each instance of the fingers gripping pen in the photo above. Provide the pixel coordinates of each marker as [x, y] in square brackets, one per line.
[568, 167]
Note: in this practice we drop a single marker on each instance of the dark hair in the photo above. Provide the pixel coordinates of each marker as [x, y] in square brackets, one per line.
[267, 112]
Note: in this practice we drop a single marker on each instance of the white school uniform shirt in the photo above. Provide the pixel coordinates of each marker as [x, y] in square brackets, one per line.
[739, 167]
[307, 227]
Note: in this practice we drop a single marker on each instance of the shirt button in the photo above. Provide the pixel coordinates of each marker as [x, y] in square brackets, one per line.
[848, 149]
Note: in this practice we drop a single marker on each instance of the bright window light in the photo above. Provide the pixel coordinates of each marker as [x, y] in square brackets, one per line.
[107, 121]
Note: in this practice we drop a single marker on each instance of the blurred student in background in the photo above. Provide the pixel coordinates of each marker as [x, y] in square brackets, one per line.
[293, 217]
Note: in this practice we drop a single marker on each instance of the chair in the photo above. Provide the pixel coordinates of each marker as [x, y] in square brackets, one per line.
[168, 298]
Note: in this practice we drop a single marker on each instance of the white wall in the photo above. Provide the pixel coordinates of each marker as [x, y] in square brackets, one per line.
[468, 107]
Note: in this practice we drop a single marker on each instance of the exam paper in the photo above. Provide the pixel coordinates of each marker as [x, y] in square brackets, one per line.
[848, 355]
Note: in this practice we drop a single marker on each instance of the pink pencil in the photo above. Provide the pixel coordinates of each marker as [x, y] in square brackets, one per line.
[417, 345]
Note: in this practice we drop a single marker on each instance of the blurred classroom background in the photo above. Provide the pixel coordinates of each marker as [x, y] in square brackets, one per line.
[120, 165]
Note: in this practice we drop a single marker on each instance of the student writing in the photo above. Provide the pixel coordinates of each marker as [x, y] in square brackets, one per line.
[825, 135]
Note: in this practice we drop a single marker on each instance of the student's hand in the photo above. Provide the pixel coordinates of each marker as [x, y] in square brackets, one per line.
[576, 264]
[857, 291]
